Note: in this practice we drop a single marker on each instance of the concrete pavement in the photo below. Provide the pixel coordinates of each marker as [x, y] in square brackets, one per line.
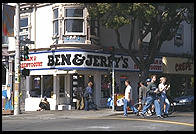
[63, 114]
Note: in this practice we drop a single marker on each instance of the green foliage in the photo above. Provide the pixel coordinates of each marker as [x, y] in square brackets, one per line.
[162, 20]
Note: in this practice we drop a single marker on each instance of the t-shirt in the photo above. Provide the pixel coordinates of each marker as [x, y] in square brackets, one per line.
[128, 91]
[142, 92]
[150, 89]
[162, 86]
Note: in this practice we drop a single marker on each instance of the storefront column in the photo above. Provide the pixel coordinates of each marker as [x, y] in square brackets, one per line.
[28, 86]
[97, 90]
[42, 85]
[55, 89]
[68, 89]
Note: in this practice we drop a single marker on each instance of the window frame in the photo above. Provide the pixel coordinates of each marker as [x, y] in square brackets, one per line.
[25, 31]
[65, 32]
[53, 21]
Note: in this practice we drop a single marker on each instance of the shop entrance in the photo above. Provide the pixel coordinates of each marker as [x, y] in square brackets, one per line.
[80, 81]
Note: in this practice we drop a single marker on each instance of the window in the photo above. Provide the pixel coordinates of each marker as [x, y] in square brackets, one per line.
[47, 85]
[5, 40]
[178, 39]
[36, 86]
[3, 74]
[74, 21]
[24, 28]
[55, 22]
[105, 86]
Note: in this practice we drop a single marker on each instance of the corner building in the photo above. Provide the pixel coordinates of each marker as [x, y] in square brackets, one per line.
[68, 53]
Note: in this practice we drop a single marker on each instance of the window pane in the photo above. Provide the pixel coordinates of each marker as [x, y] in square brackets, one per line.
[24, 22]
[56, 31]
[74, 13]
[55, 11]
[74, 25]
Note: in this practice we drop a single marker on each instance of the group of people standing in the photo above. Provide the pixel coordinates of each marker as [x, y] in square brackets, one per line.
[150, 95]
[84, 98]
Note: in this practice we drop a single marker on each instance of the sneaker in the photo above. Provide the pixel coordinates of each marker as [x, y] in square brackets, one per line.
[160, 117]
[125, 115]
[165, 115]
[142, 115]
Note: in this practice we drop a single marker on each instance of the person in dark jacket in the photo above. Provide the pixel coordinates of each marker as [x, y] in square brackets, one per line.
[152, 91]
[80, 98]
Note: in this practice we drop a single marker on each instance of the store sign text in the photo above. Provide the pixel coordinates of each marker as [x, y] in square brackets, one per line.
[33, 63]
[86, 60]
[183, 67]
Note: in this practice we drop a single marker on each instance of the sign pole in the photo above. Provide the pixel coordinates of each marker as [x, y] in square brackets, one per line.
[17, 64]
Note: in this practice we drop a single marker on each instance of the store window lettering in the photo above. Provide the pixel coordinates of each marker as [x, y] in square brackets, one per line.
[183, 67]
[88, 60]
[33, 64]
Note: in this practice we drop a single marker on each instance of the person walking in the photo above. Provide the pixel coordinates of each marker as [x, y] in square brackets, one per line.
[79, 98]
[163, 87]
[152, 91]
[88, 95]
[142, 94]
[128, 98]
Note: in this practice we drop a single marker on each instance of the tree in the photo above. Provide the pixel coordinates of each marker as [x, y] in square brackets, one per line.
[161, 20]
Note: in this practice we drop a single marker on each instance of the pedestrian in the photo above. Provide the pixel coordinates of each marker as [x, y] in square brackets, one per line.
[152, 91]
[163, 87]
[79, 98]
[44, 104]
[128, 98]
[8, 105]
[88, 95]
[142, 94]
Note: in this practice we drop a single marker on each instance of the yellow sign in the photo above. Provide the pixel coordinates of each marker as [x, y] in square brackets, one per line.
[173, 65]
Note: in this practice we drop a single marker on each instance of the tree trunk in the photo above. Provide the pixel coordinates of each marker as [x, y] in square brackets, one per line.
[144, 72]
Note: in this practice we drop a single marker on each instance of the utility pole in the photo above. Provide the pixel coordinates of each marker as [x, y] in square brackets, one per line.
[17, 63]
[113, 84]
[113, 79]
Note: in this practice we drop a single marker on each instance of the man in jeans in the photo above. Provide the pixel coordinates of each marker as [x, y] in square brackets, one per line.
[127, 99]
[152, 91]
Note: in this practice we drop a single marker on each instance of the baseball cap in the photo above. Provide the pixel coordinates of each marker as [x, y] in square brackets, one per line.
[8, 85]
[148, 80]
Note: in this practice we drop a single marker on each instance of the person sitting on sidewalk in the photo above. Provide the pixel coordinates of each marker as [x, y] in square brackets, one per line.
[44, 105]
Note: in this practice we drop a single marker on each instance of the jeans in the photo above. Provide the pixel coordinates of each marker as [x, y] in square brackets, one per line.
[126, 103]
[86, 104]
[149, 101]
[163, 99]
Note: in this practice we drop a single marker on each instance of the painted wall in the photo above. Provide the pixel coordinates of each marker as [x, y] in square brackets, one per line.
[108, 38]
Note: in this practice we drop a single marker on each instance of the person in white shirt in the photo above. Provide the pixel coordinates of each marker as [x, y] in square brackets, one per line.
[163, 87]
[128, 98]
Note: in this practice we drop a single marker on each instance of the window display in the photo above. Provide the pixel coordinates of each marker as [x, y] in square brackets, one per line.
[105, 86]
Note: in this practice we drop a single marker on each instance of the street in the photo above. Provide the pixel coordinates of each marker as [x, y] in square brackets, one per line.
[178, 121]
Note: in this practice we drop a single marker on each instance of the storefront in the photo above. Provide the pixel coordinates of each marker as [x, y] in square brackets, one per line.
[180, 74]
[57, 73]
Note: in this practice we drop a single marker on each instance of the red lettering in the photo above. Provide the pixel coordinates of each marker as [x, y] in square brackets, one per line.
[183, 67]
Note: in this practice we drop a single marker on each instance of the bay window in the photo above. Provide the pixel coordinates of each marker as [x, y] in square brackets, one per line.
[55, 22]
[74, 21]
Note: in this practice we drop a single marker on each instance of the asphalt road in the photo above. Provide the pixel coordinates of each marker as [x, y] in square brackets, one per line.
[177, 122]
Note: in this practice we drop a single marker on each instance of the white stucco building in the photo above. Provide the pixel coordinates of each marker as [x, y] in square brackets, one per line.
[66, 55]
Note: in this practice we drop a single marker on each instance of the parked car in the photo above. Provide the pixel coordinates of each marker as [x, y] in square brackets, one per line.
[184, 102]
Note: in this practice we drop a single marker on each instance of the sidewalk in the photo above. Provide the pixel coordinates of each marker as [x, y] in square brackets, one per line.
[52, 114]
